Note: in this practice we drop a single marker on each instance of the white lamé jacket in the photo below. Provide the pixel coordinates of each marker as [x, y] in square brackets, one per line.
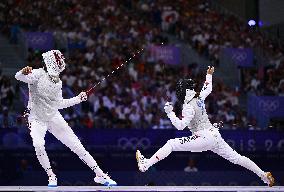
[194, 114]
[45, 96]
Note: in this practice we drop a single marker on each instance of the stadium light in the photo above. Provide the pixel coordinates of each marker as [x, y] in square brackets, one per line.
[251, 22]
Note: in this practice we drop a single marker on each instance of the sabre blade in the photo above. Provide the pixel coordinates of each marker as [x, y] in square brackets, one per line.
[91, 90]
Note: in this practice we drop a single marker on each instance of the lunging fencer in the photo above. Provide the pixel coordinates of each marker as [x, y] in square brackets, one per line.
[205, 137]
[45, 99]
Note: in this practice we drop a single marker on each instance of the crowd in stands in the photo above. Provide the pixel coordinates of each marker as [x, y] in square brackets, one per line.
[103, 34]
[7, 90]
[6, 100]
[208, 31]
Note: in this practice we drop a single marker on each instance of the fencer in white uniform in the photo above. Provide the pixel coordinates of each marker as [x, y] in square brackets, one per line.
[205, 137]
[45, 99]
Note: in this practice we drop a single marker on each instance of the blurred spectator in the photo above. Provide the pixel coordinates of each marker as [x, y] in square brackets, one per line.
[11, 140]
[191, 167]
[25, 166]
[6, 121]
[7, 91]
[134, 96]
[14, 33]
[87, 121]
[1, 75]
[281, 88]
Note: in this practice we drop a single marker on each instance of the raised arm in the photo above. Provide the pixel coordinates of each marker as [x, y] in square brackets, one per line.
[207, 86]
[65, 103]
[187, 112]
[28, 75]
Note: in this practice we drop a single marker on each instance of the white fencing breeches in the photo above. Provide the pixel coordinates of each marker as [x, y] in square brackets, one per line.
[224, 150]
[61, 130]
[204, 140]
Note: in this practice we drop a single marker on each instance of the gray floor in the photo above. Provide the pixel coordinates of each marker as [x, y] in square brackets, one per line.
[142, 188]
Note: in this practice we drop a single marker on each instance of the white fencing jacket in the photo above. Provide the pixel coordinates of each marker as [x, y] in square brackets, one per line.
[194, 114]
[45, 96]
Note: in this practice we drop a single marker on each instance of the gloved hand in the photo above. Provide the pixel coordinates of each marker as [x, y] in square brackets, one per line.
[210, 70]
[27, 70]
[83, 96]
[168, 107]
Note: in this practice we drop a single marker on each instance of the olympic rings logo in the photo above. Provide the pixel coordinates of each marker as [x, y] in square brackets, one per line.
[134, 143]
[239, 56]
[38, 39]
[268, 106]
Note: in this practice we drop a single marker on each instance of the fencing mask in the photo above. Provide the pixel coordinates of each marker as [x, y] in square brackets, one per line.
[54, 62]
[185, 90]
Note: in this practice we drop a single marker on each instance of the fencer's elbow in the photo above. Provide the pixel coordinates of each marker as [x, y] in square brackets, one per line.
[20, 77]
[63, 106]
[17, 76]
[60, 105]
[180, 127]
[208, 92]
[210, 89]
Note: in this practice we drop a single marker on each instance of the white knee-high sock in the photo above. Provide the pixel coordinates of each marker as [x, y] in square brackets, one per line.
[89, 160]
[250, 165]
[77, 147]
[160, 154]
[44, 160]
[225, 151]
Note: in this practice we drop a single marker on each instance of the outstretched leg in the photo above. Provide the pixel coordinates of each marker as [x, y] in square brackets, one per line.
[38, 131]
[225, 151]
[195, 143]
[61, 130]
